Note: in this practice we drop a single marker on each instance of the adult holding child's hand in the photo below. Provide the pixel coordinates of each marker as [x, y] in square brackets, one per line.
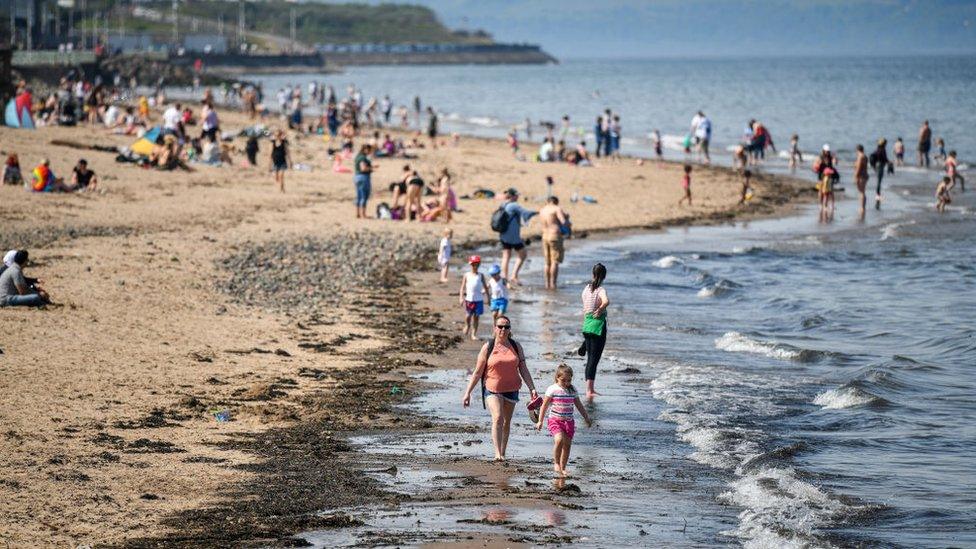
[501, 368]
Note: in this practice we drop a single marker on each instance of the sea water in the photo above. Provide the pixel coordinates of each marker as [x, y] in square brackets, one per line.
[838, 100]
[811, 383]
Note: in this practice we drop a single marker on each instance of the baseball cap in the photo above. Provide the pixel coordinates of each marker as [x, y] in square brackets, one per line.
[512, 191]
[495, 269]
[474, 259]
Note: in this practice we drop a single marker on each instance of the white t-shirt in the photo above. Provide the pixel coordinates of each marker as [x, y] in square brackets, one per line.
[499, 288]
[171, 118]
[473, 290]
[112, 116]
[444, 253]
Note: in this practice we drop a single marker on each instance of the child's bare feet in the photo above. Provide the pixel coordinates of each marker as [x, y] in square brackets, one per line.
[474, 338]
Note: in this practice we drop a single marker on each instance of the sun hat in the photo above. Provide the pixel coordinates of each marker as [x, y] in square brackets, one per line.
[474, 259]
[826, 147]
[495, 269]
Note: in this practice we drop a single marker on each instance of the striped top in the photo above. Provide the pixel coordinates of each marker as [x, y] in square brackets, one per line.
[591, 298]
[563, 402]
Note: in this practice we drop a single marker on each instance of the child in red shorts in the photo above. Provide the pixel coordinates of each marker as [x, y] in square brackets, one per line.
[562, 397]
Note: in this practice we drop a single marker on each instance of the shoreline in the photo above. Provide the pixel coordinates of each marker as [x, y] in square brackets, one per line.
[285, 404]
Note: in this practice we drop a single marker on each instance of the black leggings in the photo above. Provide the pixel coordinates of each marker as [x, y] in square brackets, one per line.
[594, 350]
[881, 174]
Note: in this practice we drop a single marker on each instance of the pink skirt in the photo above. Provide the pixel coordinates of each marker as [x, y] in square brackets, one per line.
[559, 425]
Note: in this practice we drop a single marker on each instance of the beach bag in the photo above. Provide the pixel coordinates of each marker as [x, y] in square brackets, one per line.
[594, 325]
[500, 220]
[484, 373]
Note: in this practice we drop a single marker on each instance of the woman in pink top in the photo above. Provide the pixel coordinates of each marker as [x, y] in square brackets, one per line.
[501, 369]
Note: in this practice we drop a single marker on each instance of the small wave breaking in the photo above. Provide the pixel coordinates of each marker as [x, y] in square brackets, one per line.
[846, 397]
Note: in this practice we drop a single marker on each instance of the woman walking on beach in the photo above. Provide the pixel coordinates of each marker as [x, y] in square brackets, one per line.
[280, 159]
[501, 368]
[595, 303]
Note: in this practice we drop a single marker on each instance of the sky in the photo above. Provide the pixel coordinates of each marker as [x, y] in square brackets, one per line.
[669, 28]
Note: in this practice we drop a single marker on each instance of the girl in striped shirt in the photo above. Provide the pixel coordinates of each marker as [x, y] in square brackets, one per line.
[561, 397]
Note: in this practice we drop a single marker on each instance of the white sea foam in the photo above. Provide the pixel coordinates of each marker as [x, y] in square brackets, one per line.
[734, 342]
[667, 262]
[486, 121]
[708, 291]
[781, 510]
[843, 397]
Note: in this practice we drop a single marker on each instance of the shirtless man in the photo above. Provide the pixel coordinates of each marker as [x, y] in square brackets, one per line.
[553, 220]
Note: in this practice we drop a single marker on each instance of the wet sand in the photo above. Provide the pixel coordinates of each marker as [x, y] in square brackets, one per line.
[181, 295]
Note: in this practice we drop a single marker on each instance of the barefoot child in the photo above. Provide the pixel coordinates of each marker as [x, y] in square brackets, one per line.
[796, 157]
[686, 185]
[562, 397]
[899, 152]
[952, 170]
[513, 141]
[472, 294]
[746, 187]
[444, 254]
[942, 194]
[499, 292]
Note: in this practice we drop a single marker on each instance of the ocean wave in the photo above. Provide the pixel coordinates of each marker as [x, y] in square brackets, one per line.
[734, 342]
[720, 288]
[846, 397]
[486, 121]
[890, 230]
[780, 510]
[667, 262]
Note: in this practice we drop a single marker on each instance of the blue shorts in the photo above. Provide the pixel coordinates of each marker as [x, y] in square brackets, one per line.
[500, 304]
[474, 308]
[511, 396]
[363, 189]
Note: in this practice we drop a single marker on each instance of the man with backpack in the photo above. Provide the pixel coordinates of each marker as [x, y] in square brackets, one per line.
[507, 221]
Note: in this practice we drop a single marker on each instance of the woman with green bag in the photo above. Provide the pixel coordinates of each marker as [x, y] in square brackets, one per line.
[595, 303]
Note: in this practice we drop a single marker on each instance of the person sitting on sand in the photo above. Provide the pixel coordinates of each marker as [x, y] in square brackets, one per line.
[44, 180]
[501, 368]
[560, 399]
[11, 171]
[82, 178]
[167, 156]
[582, 156]
[18, 290]
[446, 199]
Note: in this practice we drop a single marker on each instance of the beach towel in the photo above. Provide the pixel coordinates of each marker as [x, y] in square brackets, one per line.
[144, 145]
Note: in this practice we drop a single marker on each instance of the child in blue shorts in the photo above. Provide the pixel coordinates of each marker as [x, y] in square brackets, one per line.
[499, 291]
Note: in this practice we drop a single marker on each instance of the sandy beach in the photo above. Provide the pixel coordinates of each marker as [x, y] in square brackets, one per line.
[180, 295]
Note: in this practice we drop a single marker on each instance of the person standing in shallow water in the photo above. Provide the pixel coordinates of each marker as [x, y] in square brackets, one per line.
[501, 368]
[924, 144]
[880, 163]
[595, 303]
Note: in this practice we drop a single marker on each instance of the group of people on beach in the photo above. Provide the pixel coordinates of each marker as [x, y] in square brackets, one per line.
[501, 366]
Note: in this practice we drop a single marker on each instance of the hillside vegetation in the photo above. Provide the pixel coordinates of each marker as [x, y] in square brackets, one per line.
[332, 23]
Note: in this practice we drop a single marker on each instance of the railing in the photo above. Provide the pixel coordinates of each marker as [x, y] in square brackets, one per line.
[50, 57]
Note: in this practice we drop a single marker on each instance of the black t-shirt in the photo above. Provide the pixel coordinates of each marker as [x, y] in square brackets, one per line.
[84, 178]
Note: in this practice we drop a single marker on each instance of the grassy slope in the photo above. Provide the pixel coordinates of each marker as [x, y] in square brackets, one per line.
[335, 23]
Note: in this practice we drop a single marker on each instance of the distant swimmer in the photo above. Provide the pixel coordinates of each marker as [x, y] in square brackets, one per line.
[924, 144]
[880, 163]
[952, 172]
[861, 177]
[658, 146]
[796, 157]
[899, 150]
